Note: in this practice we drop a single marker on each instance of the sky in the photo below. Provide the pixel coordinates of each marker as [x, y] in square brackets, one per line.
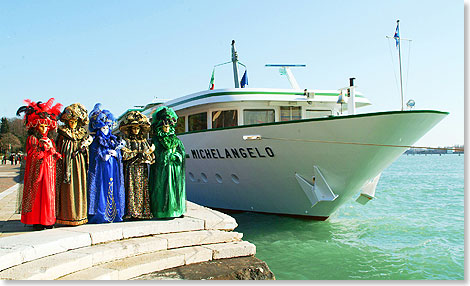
[128, 53]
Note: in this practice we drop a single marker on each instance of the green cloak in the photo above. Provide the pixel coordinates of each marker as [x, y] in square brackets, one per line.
[167, 174]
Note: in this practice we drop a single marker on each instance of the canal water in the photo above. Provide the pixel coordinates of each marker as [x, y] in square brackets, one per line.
[413, 230]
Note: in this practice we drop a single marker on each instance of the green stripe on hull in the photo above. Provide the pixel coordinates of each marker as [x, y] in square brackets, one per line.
[320, 119]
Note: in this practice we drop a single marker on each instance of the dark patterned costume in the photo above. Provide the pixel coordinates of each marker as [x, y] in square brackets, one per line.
[136, 157]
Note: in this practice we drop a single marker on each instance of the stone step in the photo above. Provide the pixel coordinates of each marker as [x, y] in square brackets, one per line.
[18, 249]
[131, 267]
[57, 265]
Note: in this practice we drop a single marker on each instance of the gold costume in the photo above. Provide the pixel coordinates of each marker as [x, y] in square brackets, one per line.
[72, 143]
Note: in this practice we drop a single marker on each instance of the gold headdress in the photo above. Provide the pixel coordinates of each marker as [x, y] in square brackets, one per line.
[75, 111]
[135, 118]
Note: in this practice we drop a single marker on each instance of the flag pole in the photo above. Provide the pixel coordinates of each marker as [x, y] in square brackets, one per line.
[399, 58]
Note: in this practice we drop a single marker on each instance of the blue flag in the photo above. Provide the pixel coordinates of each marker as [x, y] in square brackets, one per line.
[397, 36]
[244, 80]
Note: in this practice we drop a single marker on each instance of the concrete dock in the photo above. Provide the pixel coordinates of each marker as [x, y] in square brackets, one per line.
[115, 251]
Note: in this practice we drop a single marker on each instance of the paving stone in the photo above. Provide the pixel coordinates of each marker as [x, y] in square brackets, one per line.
[153, 227]
[95, 273]
[146, 263]
[12, 254]
[48, 268]
[213, 219]
[183, 239]
[99, 233]
[103, 253]
[192, 206]
[232, 249]
[195, 254]
[36, 245]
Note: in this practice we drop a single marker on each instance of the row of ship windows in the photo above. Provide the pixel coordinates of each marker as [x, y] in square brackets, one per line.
[229, 118]
[204, 178]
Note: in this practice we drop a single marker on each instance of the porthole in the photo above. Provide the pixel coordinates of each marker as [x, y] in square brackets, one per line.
[204, 178]
[218, 178]
[191, 177]
[235, 179]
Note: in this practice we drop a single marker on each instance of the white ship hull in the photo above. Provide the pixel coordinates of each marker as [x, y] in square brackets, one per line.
[275, 175]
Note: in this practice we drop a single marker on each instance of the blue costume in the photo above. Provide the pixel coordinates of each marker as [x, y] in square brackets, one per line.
[106, 195]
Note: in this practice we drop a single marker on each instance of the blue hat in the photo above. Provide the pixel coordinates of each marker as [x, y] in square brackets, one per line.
[100, 118]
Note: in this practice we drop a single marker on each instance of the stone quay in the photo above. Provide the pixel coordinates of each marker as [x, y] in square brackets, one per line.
[201, 245]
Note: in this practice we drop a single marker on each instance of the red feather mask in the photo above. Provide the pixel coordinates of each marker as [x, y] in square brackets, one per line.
[40, 113]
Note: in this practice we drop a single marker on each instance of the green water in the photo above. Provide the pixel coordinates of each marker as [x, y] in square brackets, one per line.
[414, 229]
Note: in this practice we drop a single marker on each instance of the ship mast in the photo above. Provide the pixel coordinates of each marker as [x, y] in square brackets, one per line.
[235, 65]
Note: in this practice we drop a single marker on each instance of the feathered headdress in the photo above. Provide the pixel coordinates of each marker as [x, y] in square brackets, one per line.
[40, 113]
[100, 118]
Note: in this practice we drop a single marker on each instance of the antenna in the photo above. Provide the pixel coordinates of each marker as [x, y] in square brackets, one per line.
[284, 69]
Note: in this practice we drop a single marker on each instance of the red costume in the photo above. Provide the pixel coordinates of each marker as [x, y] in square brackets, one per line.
[38, 204]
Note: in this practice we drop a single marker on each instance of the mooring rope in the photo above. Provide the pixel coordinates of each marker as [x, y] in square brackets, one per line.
[364, 144]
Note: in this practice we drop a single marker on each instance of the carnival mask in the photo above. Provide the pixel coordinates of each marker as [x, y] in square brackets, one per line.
[135, 130]
[166, 128]
[43, 128]
[105, 129]
[72, 123]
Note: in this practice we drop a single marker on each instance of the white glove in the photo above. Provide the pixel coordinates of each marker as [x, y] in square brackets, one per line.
[112, 153]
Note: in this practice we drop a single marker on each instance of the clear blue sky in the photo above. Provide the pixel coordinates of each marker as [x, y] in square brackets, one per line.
[126, 53]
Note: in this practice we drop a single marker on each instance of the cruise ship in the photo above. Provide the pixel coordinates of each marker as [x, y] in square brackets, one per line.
[288, 151]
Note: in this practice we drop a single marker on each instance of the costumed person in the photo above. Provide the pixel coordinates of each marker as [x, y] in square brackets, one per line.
[38, 201]
[167, 175]
[72, 142]
[136, 157]
[106, 196]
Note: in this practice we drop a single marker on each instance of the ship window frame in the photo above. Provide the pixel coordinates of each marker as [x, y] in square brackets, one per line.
[221, 112]
[190, 125]
[322, 110]
[290, 117]
[181, 120]
[259, 109]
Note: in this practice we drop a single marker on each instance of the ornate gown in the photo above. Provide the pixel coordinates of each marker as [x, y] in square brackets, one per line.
[106, 197]
[71, 199]
[136, 177]
[167, 177]
[38, 204]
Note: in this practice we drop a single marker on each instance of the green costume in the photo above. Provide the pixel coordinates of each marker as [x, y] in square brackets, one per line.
[167, 175]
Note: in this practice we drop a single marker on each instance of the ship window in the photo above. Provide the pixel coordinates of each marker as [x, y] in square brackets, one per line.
[258, 116]
[224, 118]
[314, 113]
[180, 124]
[290, 113]
[197, 121]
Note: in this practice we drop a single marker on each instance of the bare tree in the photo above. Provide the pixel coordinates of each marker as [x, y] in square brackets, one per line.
[9, 142]
[18, 129]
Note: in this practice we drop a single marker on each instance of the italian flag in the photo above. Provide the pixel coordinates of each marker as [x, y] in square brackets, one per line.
[211, 84]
